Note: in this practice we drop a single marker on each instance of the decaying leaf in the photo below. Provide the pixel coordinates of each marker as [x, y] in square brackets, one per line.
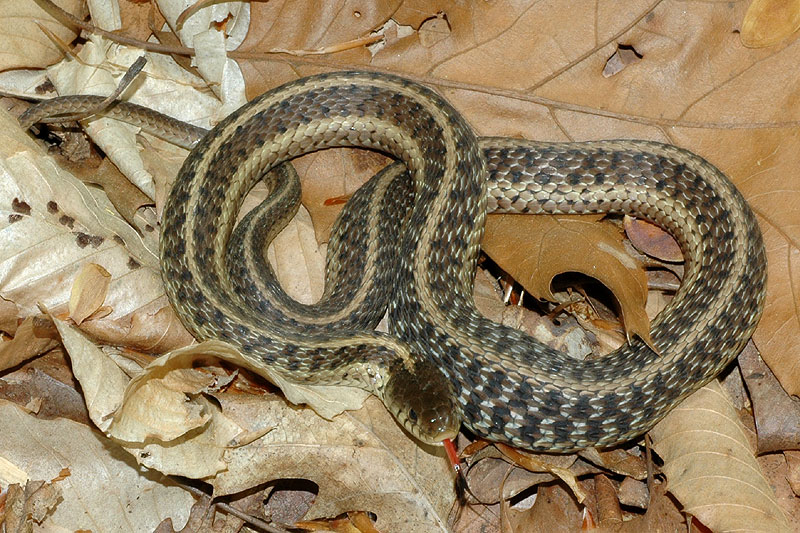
[62, 223]
[27, 506]
[652, 240]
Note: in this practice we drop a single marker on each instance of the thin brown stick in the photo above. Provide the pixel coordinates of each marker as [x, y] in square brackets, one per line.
[247, 518]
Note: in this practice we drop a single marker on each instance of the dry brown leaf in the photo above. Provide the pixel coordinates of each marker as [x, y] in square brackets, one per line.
[491, 479]
[777, 415]
[793, 464]
[661, 515]
[553, 511]
[125, 197]
[634, 493]
[652, 240]
[139, 18]
[768, 22]
[24, 345]
[779, 330]
[545, 463]
[618, 461]
[330, 175]
[609, 513]
[710, 467]
[39, 388]
[777, 470]
[534, 249]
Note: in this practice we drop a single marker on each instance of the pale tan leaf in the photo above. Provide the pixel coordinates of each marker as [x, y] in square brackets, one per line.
[710, 467]
[8, 316]
[534, 249]
[768, 22]
[164, 86]
[24, 44]
[298, 261]
[10, 473]
[105, 490]
[102, 381]
[59, 224]
[151, 406]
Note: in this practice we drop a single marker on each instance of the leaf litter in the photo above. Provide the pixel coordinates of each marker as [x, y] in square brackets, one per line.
[233, 431]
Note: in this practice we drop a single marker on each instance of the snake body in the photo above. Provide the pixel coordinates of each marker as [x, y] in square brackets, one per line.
[444, 363]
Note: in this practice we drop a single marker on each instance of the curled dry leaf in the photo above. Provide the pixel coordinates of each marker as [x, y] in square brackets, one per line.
[88, 291]
[710, 467]
[617, 460]
[102, 381]
[545, 463]
[609, 513]
[28, 506]
[150, 407]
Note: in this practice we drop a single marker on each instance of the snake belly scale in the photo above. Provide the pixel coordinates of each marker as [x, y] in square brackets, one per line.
[444, 363]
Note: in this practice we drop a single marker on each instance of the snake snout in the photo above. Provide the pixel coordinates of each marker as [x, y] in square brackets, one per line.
[423, 402]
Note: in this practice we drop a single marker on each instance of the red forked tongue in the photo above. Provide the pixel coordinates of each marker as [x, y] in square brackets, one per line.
[452, 454]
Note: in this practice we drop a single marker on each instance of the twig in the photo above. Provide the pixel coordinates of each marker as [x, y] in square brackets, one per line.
[247, 518]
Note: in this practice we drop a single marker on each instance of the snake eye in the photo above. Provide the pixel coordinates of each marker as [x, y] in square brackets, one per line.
[412, 415]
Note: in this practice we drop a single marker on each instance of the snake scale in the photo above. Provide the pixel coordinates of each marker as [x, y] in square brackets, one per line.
[409, 241]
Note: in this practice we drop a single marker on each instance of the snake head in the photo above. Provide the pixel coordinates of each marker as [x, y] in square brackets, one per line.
[422, 400]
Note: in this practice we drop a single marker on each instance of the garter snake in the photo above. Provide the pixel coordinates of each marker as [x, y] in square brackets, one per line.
[444, 364]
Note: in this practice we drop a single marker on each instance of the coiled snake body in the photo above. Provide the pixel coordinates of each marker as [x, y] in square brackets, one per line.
[444, 363]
